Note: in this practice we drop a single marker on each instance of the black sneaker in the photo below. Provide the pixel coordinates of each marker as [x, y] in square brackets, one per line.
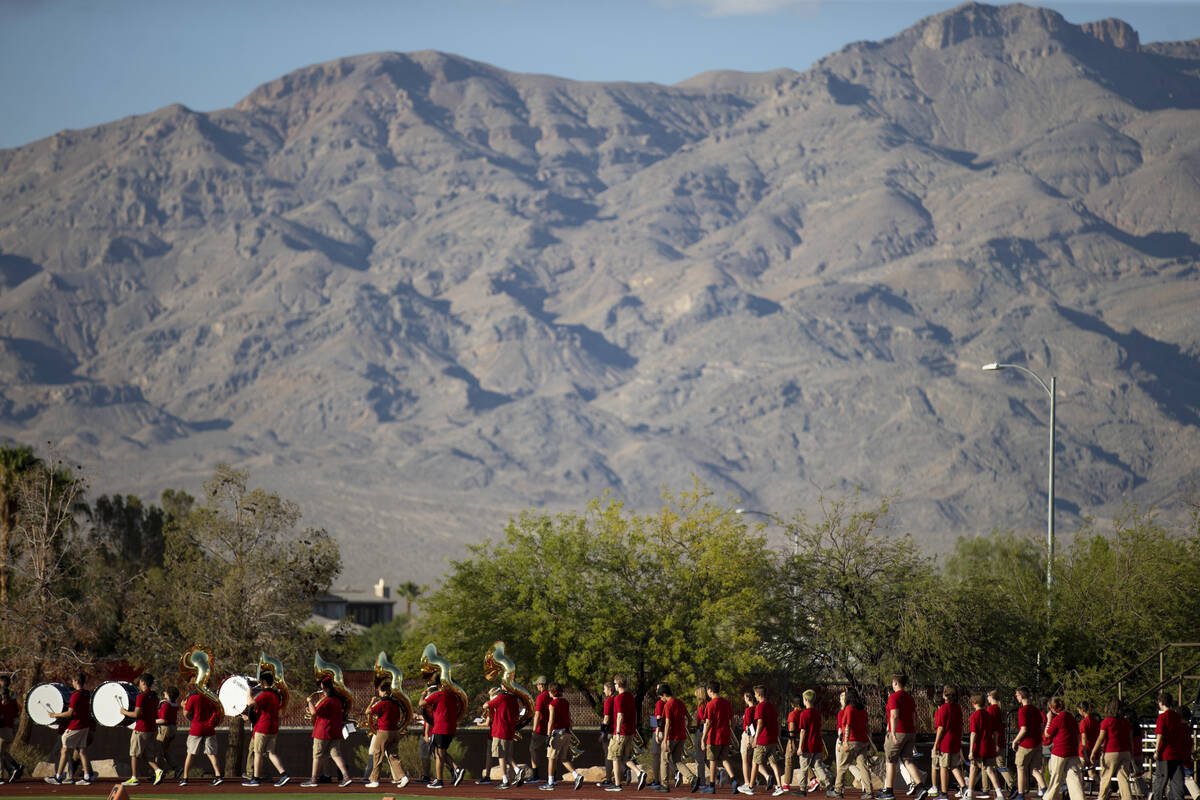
[886, 794]
[283, 779]
[459, 774]
[694, 784]
[641, 781]
[217, 781]
[578, 781]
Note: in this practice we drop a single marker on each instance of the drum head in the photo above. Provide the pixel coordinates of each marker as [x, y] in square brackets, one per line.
[233, 693]
[46, 698]
[110, 699]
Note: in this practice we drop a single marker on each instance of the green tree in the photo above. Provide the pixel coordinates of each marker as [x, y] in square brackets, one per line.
[15, 462]
[238, 576]
[679, 595]
[410, 592]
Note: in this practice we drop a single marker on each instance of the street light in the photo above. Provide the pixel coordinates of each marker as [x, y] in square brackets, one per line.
[992, 367]
[771, 518]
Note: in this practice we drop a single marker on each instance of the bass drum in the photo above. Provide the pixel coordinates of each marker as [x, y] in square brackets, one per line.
[233, 693]
[110, 699]
[47, 698]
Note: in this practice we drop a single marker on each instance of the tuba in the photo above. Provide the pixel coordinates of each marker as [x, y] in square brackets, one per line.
[274, 666]
[434, 666]
[498, 665]
[195, 667]
[322, 670]
[386, 670]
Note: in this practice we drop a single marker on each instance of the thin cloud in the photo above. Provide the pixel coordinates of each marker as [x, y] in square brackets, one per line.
[743, 8]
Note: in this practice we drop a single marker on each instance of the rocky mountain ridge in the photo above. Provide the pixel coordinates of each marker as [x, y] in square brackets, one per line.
[417, 293]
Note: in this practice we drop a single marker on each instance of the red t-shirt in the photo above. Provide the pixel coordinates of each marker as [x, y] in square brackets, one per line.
[675, 713]
[748, 717]
[949, 718]
[982, 725]
[856, 725]
[168, 712]
[328, 719]
[541, 707]
[443, 707]
[143, 706]
[658, 713]
[8, 713]
[1116, 738]
[793, 722]
[504, 708]
[701, 713]
[81, 711]
[1062, 734]
[810, 723]
[625, 707]
[267, 703]
[905, 718]
[996, 713]
[1174, 736]
[1030, 718]
[718, 712]
[766, 720]
[387, 714]
[562, 713]
[1089, 730]
[203, 713]
[608, 712]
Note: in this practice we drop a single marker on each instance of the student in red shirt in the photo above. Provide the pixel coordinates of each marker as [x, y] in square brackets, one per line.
[1062, 734]
[983, 746]
[698, 735]
[539, 737]
[558, 724]
[1172, 751]
[385, 743]
[947, 743]
[78, 718]
[143, 741]
[620, 748]
[502, 710]
[1089, 729]
[265, 730]
[167, 721]
[1114, 751]
[809, 743]
[1000, 726]
[898, 744]
[793, 739]
[856, 742]
[329, 721]
[675, 734]
[766, 743]
[718, 737]
[205, 714]
[1027, 744]
[443, 709]
[9, 711]
[747, 738]
[606, 731]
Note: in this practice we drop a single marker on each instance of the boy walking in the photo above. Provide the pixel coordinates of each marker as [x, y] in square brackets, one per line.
[77, 716]
[167, 721]
[143, 740]
[443, 707]
[265, 731]
[502, 709]
[947, 743]
[983, 746]
[1026, 744]
[718, 737]
[674, 734]
[811, 746]
[620, 748]
[898, 744]
[558, 723]
[329, 720]
[766, 743]
[202, 734]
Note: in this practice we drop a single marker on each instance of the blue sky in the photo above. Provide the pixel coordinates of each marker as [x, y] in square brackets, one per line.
[78, 63]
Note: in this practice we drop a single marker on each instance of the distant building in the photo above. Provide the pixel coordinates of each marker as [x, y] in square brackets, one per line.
[348, 610]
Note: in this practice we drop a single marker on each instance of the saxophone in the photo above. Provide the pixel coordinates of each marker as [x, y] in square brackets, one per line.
[433, 665]
[498, 665]
[274, 666]
[386, 670]
[195, 667]
[323, 669]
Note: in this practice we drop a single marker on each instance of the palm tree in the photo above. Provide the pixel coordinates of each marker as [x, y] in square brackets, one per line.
[15, 461]
[411, 592]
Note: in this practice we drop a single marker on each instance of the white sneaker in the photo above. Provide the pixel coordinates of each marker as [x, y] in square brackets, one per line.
[778, 791]
[745, 789]
[400, 784]
[372, 784]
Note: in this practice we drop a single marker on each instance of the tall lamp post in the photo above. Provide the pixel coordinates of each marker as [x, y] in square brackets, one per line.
[772, 518]
[992, 367]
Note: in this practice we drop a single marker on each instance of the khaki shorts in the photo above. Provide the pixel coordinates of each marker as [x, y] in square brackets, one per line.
[202, 744]
[166, 733]
[897, 746]
[947, 760]
[765, 753]
[620, 748]
[502, 748]
[75, 740]
[559, 747]
[143, 743]
[327, 747]
[263, 743]
[985, 762]
[747, 743]
[1029, 758]
[718, 752]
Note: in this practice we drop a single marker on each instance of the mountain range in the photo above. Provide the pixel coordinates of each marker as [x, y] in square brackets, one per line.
[418, 293]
